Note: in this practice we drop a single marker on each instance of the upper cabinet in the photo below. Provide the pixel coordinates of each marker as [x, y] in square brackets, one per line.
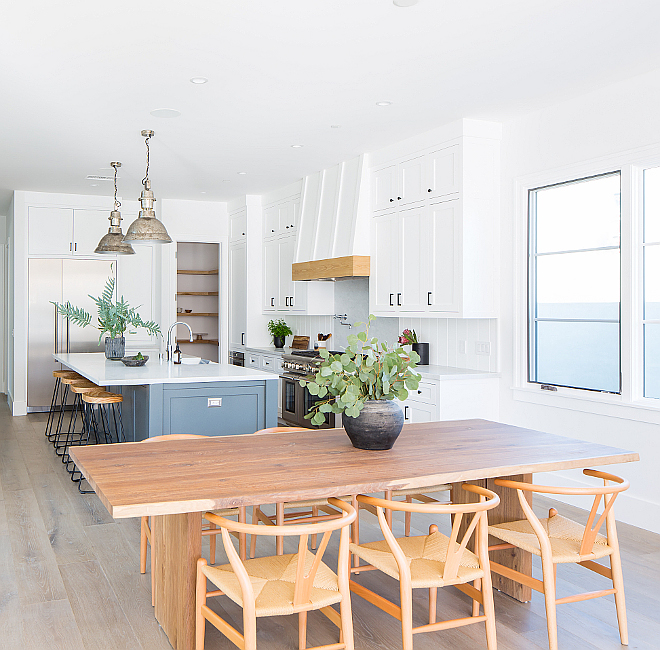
[435, 231]
[64, 232]
[238, 226]
[281, 218]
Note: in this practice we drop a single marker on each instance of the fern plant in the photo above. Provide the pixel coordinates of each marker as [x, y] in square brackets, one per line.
[114, 316]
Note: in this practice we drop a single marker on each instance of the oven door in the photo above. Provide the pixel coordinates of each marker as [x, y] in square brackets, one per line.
[296, 402]
[308, 401]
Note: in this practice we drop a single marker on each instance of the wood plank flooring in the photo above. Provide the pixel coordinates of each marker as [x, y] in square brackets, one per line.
[69, 578]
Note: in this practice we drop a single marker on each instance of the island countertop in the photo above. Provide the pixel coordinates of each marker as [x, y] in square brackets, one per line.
[95, 367]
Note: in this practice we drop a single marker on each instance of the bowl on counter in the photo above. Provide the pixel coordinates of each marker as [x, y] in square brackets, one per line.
[134, 362]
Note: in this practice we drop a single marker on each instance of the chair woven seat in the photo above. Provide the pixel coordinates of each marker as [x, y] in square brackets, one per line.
[430, 489]
[565, 538]
[273, 581]
[226, 512]
[426, 555]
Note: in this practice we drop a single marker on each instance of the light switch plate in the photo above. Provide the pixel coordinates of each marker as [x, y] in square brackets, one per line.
[482, 347]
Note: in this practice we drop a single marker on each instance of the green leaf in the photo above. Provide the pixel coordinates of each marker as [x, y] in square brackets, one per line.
[402, 394]
[323, 391]
[326, 372]
[324, 353]
[318, 419]
[313, 388]
[336, 366]
[362, 336]
[325, 408]
[352, 339]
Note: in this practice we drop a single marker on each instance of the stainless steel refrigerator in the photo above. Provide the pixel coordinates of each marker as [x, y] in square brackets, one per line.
[59, 280]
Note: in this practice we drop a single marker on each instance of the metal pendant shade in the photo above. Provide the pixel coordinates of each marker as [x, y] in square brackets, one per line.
[147, 228]
[113, 243]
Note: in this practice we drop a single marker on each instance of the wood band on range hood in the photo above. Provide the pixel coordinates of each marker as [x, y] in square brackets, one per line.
[335, 267]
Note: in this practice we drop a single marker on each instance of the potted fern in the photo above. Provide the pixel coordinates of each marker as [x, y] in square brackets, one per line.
[362, 383]
[114, 317]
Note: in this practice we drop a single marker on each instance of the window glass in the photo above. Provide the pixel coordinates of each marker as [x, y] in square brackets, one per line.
[575, 284]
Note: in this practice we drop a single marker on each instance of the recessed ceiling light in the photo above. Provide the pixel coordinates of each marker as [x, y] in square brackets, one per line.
[94, 185]
[226, 180]
[241, 173]
[296, 146]
[202, 192]
[335, 126]
[165, 112]
[198, 80]
[383, 103]
[405, 3]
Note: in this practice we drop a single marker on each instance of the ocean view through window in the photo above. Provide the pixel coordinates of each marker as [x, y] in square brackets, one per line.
[574, 281]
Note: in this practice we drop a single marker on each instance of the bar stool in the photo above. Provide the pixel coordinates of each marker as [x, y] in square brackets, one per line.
[78, 388]
[54, 406]
[100, 405]
[57, 438]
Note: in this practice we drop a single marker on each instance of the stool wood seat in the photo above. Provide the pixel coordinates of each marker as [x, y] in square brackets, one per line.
[84, 386]
[66, 373]
[101, 396]
[71, 379]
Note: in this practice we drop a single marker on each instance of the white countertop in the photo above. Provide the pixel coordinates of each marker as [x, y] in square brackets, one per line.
[443, 373]
[95, 367]
[269, 350]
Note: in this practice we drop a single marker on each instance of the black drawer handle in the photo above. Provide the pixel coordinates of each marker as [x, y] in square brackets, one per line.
[405, 412]
[398, 299]
[428, 298]
[272, 302]
[391, 303]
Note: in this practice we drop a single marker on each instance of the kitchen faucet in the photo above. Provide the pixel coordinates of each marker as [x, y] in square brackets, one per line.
[170, 347]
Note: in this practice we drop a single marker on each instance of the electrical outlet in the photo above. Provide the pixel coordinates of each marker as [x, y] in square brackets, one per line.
[461, 347]
[482, 347]
[215, 401]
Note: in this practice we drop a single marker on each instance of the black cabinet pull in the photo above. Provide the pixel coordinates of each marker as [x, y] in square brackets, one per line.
[243, 339]
[429, 190]
[391, 200]
[272, 231]
[286, 301]
[272, 302]
[287, 227]
[75, 246]
[291, 301]
[243, 234]
[419, 392]
[428, 298]
[405, 412]
[398, 197]
[391, 303]
[398, 299]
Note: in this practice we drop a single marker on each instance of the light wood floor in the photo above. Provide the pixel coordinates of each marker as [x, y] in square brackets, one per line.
[69, 578]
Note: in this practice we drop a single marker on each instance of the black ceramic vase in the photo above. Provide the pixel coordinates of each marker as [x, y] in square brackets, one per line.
[115, 348]
[278, 341]
[423, 350]
[377, 427]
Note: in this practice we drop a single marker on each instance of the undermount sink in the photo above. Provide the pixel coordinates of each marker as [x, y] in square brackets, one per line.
[191, 361]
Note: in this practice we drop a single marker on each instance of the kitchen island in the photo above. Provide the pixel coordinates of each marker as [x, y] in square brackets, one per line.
[162, 398]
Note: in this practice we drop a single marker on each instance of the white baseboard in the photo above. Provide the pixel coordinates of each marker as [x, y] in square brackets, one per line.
[17, 408]
[628, 509]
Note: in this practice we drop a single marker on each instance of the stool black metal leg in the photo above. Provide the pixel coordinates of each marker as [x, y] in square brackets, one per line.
[51, 412]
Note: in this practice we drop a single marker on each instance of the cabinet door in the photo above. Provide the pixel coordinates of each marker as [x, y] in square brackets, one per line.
[415, 280]
[238, 226]
[271, 275]
[135, 283]
[445, 259]
[50, 231]
[384, 188]
[411, 183]
[386, 278]
[88, 228]
[271, 221]
[442, 172]
[286, 218]
[286, 292]
[414, 412]
[237, 294]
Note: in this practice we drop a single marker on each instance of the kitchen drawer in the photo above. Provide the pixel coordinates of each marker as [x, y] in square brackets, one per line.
[253, 361]
[271, 364]
[427, 392]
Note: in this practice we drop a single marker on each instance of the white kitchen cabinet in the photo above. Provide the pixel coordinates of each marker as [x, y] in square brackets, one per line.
[412, 182]
[271, 267]
[384, 188]
[384, 281]
[65, 232]
[443, 172]
[414, 412]
[443, 264]
[237, 294]
[415, 260]
[253, 360]
[238, 226]
[281, 218]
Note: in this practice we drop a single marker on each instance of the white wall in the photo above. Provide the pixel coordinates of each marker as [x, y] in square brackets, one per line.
[604, 123]
[3, 304]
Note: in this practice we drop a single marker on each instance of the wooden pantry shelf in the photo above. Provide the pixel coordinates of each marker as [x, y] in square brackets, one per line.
[196, 293]
[214, 341]
[197, 313]
[190, 272]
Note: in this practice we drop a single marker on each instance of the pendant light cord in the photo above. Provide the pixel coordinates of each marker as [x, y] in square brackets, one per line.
[146, 174]
[117, 203]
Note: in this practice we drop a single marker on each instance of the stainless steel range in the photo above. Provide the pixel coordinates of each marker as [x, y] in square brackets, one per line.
[296, 400]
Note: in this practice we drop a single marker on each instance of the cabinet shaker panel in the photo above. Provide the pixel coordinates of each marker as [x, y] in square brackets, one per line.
[443, 172]
[88, 228]
[411, 183]
[446, 280]
[50, 231]
[384, 188]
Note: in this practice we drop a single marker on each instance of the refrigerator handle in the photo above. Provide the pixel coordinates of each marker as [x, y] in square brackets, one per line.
[56, 329]
[67, 336]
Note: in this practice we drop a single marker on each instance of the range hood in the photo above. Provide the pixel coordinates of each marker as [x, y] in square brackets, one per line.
[333, 232]
[332, 268]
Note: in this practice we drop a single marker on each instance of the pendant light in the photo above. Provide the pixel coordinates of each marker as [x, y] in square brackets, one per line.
[146, 227]
[112, 243]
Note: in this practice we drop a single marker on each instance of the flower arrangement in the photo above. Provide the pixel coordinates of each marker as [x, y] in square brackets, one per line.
[408, 337]
[367, 370]
[279, 328]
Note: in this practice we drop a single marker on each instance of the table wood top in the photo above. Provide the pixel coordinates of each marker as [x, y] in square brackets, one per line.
[172, 477]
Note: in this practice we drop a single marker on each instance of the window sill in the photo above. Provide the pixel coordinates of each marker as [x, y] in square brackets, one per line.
[643, 410]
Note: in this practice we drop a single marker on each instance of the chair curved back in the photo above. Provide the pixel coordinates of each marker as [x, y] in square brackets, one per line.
[280, 430]
[455, 549]
[304, 578]
[173, 436]
[607, 493]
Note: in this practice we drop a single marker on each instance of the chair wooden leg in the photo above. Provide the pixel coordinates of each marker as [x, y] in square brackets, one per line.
[433, 604]
[550, 601]
[355, 529]
[152, 559]
[143, 545]
[408, 517]
[475, 603]
[619, 596]
[212, 540]
[406, 616]
[315, 513]
[388, 513]
[200, 621]
[346, 621]
[253, 538]
[489, 610]
[279, 521]
[302, 630]
[242, 537]
[249, 628]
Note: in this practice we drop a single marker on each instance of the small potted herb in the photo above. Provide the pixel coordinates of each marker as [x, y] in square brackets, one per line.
[409, 337]
[279, 330]
[114, 317]
[362, 383]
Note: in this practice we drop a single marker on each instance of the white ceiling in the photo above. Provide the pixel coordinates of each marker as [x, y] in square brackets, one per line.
[78, 80]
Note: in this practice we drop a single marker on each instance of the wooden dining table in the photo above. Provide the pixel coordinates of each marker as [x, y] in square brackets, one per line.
[176, 481]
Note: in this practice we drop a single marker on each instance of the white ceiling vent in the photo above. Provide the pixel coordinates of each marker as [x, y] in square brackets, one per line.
[94, 177]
